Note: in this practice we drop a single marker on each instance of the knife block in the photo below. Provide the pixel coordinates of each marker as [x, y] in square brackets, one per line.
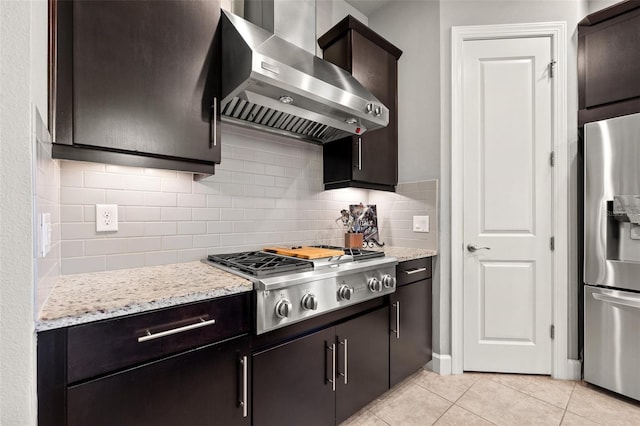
[353, 240]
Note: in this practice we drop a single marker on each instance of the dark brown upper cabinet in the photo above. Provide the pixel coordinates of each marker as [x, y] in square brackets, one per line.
[609, 63]
[369, 161]
[135, 83]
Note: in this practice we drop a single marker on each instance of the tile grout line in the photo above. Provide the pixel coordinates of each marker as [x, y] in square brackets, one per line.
[533, 396]
[466, 409]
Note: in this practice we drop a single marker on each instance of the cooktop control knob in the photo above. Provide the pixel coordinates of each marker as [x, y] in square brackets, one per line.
[374, 285]
[283, 308]
[345, 292]
[388, 281]
[309, 302]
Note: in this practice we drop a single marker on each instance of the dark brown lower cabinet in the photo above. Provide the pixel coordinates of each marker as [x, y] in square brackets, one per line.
[292, 382]
[203, 386]
[410, 346]
[363, 359]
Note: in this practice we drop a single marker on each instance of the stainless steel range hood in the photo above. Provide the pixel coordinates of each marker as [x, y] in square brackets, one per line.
[276, 86]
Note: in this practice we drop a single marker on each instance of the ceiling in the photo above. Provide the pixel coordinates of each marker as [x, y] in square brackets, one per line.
[368, 6]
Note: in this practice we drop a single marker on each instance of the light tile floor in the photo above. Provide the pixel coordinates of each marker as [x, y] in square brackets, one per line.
[427, 398]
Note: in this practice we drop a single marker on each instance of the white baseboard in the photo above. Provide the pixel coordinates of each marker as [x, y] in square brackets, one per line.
[441, 364]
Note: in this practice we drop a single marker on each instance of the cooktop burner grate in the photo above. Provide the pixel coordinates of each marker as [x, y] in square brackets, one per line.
[355, 253]
[259, 263]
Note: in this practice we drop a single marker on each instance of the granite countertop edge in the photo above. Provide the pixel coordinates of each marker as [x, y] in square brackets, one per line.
[404, 254]
[68, 321]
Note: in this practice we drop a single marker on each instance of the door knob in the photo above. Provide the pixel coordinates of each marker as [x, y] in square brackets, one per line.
[473, 248]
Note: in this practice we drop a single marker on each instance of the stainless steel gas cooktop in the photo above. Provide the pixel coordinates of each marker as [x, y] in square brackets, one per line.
[289, 289]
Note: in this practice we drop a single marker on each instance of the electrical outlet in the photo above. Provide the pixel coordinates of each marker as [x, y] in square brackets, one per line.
[106, 217]
[421, 224]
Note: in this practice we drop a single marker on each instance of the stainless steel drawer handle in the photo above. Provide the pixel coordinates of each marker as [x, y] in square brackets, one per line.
[151, 336]
[245, 385]
[414, 271]
[346, 361]
[397, 330]
[332, 348]
[626, 301]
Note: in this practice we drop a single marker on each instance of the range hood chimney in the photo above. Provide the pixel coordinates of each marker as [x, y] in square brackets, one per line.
[274, 85]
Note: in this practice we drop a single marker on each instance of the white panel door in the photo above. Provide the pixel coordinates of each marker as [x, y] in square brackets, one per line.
[507, 205]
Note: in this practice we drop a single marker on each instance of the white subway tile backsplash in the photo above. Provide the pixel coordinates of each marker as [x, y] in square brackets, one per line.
[175, 213]
[220, 227]
[72, 248]
[207, 240]
[160, 228]
[71, 177]
[144, 183]
[78, 231]
[105, 180]
[192, 228]
[160, 199]
[177, 242]
[231, 214]
[125, 261]
[176, 185]
[160, 258]
[126, 198]
[72, 213]
[71, 195]
[265, 192]
[205, 214]
[143, 214]
[192, 255]
[192, 200]
[81, 265]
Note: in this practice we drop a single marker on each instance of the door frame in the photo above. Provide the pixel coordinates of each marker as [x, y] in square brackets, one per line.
[561, 366]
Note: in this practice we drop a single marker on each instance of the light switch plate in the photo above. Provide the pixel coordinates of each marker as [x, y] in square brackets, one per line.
[106, 217]
[421, 224]
[45, 234]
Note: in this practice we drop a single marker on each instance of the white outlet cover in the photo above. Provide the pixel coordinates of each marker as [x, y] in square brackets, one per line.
[106, 217]
[421, 224]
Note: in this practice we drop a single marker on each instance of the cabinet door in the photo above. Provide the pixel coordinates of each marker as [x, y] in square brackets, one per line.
[363, 362]
[290, 382]
[144, 77]
[376, 70]
[200, 387]
[410, 338]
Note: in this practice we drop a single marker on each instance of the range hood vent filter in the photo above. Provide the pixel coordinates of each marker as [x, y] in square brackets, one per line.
[260, 117]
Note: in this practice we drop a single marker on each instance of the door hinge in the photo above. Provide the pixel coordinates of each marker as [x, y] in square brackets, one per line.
[552, 243]
[552, 158]
[553, 331]
[552, 65]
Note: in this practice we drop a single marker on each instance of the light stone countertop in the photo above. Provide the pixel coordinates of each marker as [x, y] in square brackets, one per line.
[82, 298]
[405, 253]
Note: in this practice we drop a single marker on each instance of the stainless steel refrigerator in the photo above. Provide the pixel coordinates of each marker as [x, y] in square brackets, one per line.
[612, 254]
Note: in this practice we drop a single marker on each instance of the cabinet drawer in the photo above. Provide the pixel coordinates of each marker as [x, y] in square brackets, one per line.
[413, 270]
[105, 346]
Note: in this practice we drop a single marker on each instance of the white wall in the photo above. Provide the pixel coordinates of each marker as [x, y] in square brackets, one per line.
[469, 12]
[596, 5]
[23, 32]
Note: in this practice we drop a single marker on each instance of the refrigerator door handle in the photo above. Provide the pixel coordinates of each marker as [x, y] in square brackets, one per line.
[633, 302]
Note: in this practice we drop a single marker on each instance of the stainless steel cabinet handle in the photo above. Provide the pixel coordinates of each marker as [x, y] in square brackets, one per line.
[473, 248]
[346, 361]
[215, 121]
[397, 330]
[245, 382]
[332, 348]
[151, 336]
[626, 301]
[359, 153]
[414, 271]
